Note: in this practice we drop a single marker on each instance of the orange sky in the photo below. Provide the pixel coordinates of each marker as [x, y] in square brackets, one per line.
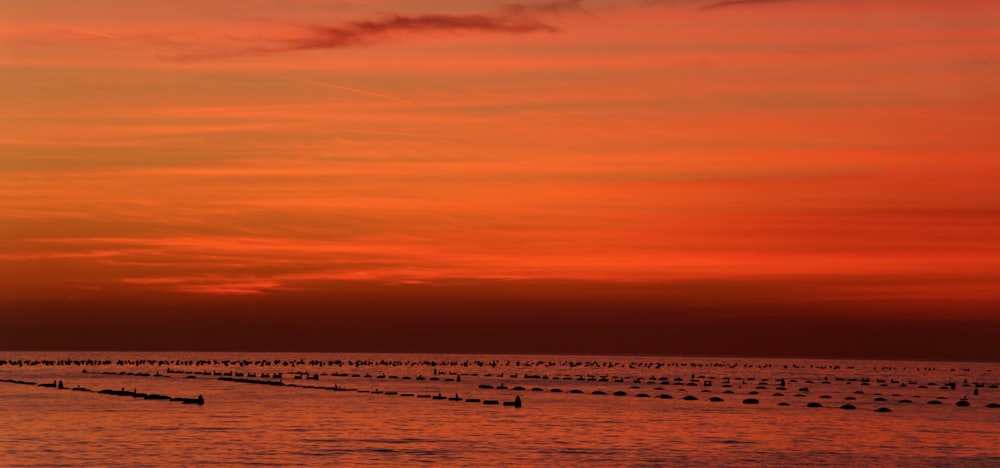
[650, 162]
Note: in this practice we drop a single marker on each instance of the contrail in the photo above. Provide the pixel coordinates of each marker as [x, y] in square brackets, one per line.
[359, 91]
[89, 32]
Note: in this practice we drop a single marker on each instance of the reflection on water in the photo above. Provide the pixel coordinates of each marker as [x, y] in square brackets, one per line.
[383, 410]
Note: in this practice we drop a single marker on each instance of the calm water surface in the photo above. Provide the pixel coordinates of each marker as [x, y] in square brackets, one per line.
[372, 419]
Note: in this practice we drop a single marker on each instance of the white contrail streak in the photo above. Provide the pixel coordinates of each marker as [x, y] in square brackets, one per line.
[89, 32]
[359, 91]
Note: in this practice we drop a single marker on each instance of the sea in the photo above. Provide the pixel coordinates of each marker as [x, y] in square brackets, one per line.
[313, 409]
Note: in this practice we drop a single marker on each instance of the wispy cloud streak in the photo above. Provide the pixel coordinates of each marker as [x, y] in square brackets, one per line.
[510, 19]
[739, 3]
[559, 6]
[358, 33]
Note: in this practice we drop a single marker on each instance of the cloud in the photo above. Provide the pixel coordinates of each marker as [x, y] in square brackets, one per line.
[357, 33]
[510, 19]
[739, 3]
[210, 285]
[549, 7]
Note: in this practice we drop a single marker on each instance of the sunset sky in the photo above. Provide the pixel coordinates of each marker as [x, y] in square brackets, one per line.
[811, 177]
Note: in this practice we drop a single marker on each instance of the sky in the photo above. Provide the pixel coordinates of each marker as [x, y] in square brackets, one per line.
[742, 177]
